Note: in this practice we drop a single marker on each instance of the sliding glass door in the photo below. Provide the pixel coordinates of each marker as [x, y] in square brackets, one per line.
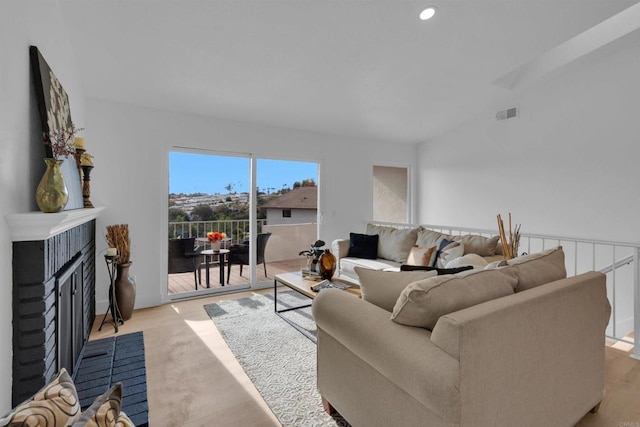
[208, 210]
[235, 220]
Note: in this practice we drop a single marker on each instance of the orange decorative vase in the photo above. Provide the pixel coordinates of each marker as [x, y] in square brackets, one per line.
[327, 263]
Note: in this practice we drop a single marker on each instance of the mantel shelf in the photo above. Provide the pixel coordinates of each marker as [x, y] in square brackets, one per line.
[35, 226]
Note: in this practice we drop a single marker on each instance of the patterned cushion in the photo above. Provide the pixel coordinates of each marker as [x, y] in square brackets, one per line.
[447, 251]
[422, 303]
[55, 405]
[382, 288]
[104, 411]
[124, 421]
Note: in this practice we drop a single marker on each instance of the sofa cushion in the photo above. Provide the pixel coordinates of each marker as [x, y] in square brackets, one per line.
[383, 288]
[422, 303]
[440, 271]
[474, 260]
[421, 256]
[394, 243]
[363, 245]
[473, 244]
[447, 251]
[427, 238]
[536, 269]
[348, 265]
[496, 264]
[55, 405]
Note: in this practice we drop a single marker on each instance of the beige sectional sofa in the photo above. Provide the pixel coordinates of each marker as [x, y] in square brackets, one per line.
[395, 244]
[519, 345]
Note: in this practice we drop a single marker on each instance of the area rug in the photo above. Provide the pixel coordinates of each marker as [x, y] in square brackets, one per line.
[279, 360]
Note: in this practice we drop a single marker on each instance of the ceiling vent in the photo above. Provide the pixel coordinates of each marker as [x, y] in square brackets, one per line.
[509, 113]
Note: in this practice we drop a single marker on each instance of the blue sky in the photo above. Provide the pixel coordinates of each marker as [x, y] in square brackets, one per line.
[203, 173]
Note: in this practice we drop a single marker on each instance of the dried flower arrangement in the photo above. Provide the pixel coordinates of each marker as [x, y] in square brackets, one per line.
[510, 244]
[118, 237]
[62, 141]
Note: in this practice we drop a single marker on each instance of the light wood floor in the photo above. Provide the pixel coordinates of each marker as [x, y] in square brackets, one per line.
[194, 380]
[184, 282]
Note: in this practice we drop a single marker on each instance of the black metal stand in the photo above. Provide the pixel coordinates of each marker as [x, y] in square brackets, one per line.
[116, 317]
[291, 322]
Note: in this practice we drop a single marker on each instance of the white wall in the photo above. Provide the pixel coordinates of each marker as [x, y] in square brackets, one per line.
[25, 23]
[567, 166]
[298, 216]
[131, 146]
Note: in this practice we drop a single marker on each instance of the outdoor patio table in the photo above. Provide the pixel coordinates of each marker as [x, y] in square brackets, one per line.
[208, 255]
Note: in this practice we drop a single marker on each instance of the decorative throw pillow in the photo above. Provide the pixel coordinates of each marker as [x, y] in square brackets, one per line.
[537, 269]
[474, 260]
[447, 251]
[427, 238]
[474, 244]
[496, 264]
[421, 256]
[104, 411]
[440, 271]
[382, 288]
[363, 246]
[55, 405]
[124, 421]
[394, 243]
[422, 303]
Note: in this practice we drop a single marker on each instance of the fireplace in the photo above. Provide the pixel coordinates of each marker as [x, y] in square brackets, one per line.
[53, 296]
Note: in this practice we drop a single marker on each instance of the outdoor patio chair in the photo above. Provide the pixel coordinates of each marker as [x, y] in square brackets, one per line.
[239, 254]
[183, 257]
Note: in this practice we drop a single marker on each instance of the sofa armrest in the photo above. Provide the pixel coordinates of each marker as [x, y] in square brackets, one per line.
[404, 355]
[550, 338]
[340, 249]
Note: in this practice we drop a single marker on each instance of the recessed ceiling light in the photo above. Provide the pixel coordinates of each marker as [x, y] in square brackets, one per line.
[428, 13]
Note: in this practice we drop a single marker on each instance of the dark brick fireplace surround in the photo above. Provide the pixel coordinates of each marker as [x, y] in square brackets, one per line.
[53, 300]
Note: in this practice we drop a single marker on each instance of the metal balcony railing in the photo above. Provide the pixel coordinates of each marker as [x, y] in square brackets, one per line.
[237, 230]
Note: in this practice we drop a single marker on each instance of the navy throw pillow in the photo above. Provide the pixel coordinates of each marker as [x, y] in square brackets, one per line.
[363, 245]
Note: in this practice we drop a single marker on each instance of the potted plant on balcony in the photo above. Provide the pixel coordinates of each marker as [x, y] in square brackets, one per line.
[313, 255]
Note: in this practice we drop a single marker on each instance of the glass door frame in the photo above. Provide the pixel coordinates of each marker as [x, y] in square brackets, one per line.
[253, 220]
[202, 292]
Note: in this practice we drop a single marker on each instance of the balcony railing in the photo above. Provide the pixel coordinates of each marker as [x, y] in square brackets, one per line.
[237, 230]
[286, 240]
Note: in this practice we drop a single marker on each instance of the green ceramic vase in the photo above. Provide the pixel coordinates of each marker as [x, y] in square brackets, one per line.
[52, 194]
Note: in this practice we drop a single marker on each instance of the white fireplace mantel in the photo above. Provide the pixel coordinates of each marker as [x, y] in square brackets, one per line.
[34, 226]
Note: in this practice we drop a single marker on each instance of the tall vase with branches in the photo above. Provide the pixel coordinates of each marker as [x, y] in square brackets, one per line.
[118, 237]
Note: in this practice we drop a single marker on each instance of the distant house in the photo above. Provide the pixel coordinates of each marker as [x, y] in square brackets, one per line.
[298, 206]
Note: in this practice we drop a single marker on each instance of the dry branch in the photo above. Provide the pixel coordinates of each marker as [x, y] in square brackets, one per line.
[118, 237]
